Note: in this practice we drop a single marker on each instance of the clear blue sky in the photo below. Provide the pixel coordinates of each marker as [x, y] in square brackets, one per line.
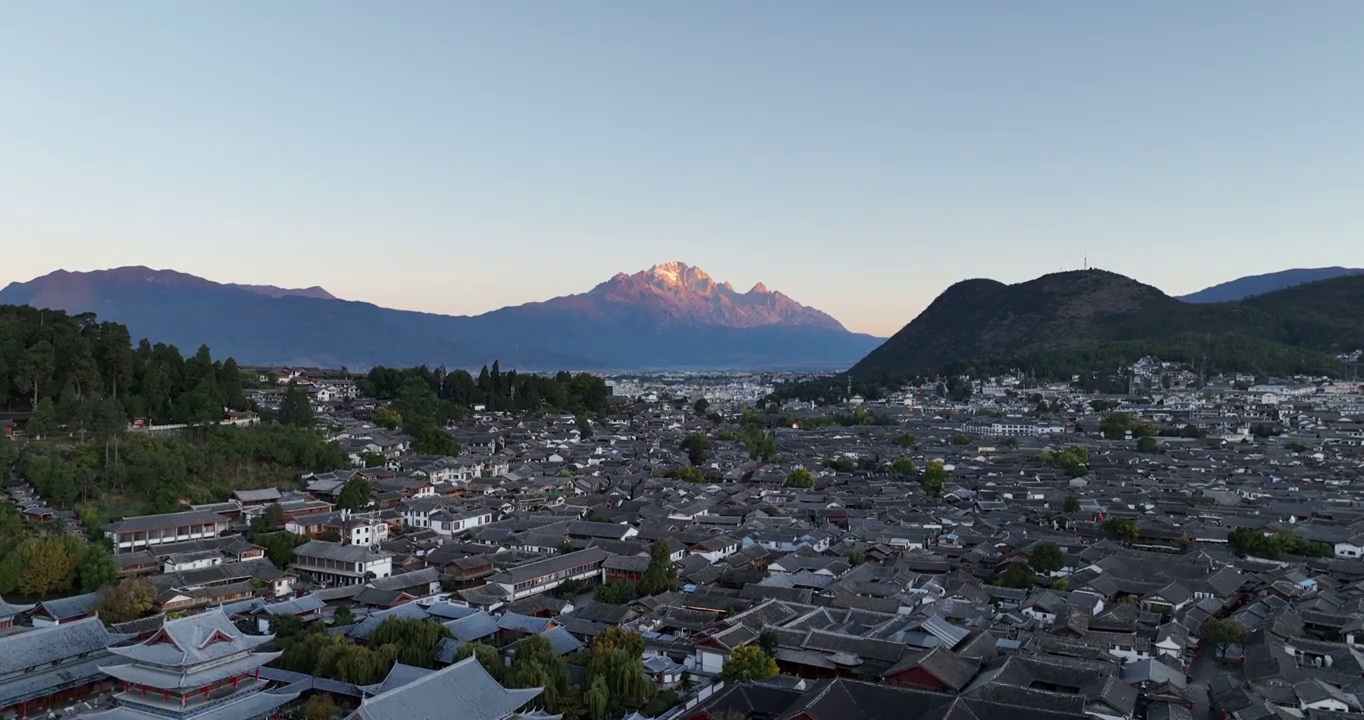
[456, 157]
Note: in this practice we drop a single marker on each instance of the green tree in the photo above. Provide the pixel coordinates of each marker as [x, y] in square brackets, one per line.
[429, 438]
[618, 592]
[415, 639]
[279, 548]
[42, 565]
[535, 664]
[1072, 504]
[598, 698]
[488, 657]
[903, 466]
[1015, 575]
[1046, 558]
[286, 626]
[1115, 425]
[343, 616]
[320, 706]
[35, 368]
[800, 478]
[697, 447]
[296, 409]
[748, 663]
[128, 600]
[386, 418]
[934, 477]
[97, 568]
[354, 495]
[691, 475]
[274, 516]
[617, 638]
[1147, 444]
[43, 421]
[906, 440]
[660, 576]
[1221, 634]
[701, 407]
[759, 445]
[1124, 529]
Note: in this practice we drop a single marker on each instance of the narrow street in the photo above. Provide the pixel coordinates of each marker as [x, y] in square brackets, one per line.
[1203, 671]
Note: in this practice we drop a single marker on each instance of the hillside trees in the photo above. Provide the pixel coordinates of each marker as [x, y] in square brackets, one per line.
[127, 600]
[456, 392]
[75, 362]
[42, 565]
[157, 472]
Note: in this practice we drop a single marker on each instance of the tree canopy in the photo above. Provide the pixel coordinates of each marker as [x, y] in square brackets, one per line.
[660, 576]
[1047, 558]
[747, 663]
[93, 379]
[800, 478]
[934, 477]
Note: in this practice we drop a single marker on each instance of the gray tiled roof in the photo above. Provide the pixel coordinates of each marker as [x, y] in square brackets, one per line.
[464, 690]
[42, 646]
[191, 641]
[41, 683]
[70, 607]
[143, 523]
[399, 676]
[337, 551]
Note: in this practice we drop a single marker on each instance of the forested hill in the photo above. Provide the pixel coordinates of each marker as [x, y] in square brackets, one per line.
[88, 375]
[1091, 319]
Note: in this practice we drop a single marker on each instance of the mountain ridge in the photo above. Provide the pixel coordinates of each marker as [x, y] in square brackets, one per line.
[1253, 285]
[669, 316]
[977, 320]
[67, 287]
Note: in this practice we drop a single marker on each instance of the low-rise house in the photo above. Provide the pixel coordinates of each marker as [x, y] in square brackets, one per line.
[144, 531]
[336, 564]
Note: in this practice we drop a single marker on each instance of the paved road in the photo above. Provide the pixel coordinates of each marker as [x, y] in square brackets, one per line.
[1203, 672]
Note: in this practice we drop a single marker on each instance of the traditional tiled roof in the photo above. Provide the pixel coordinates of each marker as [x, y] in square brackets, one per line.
[463, 690]
[143, 523]
[8, 609]
[194, 640]
[44, 646]
[399, 676]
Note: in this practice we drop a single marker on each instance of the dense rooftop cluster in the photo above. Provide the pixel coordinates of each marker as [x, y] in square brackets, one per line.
[1022, 551]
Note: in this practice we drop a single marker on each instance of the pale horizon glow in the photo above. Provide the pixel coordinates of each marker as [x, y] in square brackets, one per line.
[459, 157]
